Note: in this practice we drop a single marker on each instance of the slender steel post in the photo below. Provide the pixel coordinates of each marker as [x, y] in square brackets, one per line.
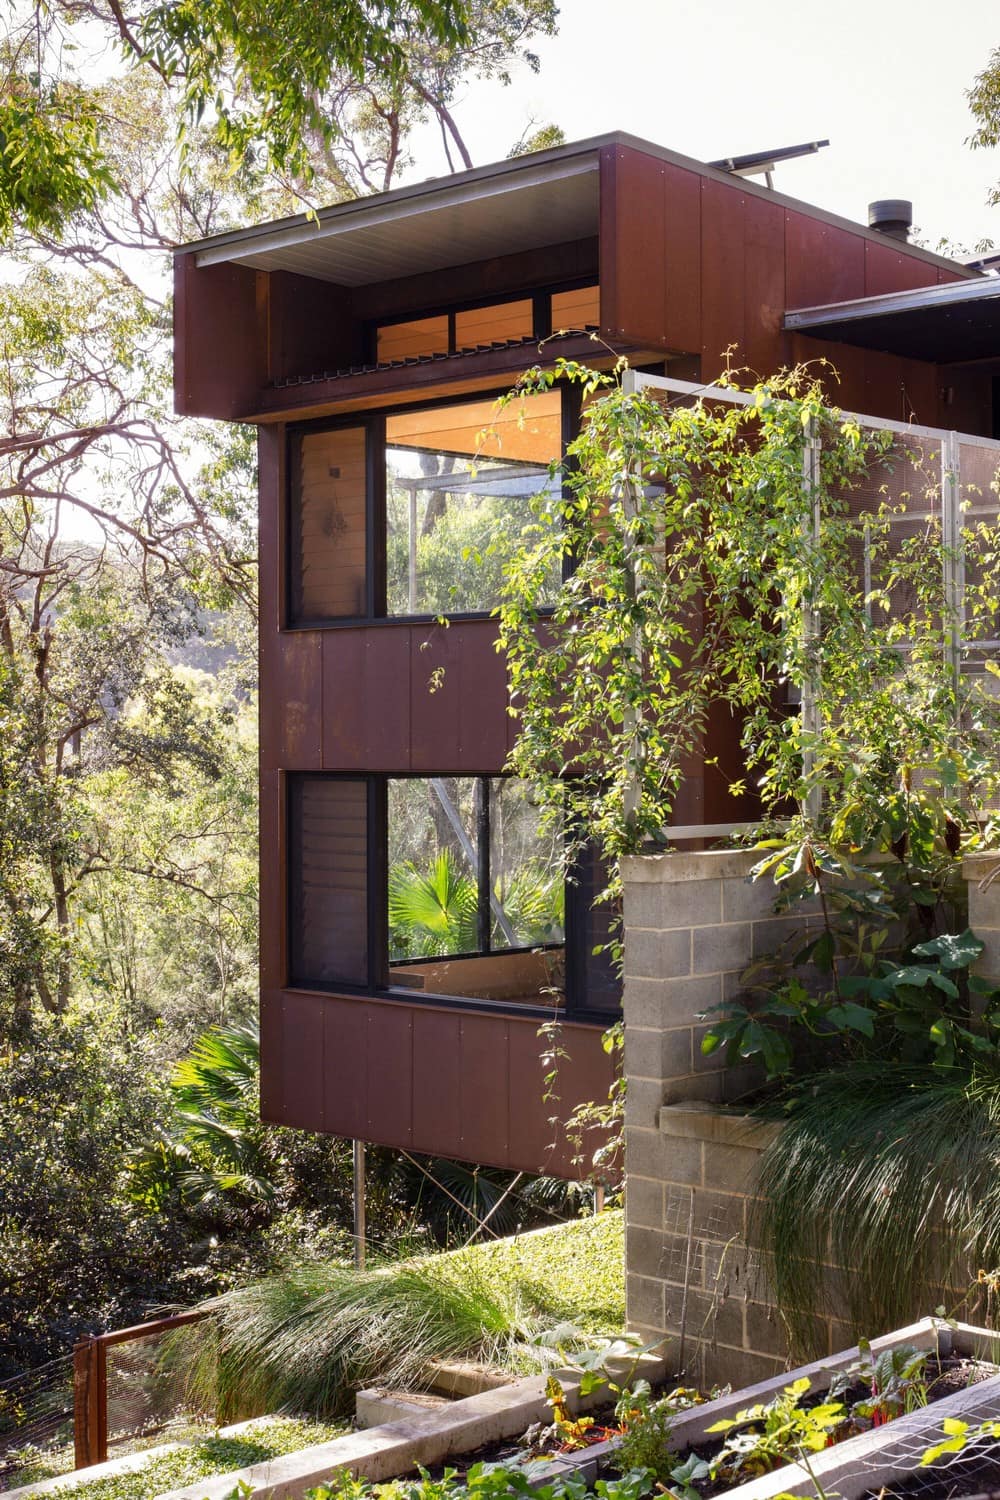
[952, 562]
[484, 922]
[360, 1244]
[811, 624]
[411, 590]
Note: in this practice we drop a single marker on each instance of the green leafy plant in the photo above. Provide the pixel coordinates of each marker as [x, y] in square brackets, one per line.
[902, 994]
[895, 1378]
[483, 1482]
[645, 1440]
[958, 1435]
[765, 1435]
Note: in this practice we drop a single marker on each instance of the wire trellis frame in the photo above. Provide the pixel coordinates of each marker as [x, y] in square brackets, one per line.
[956, 646]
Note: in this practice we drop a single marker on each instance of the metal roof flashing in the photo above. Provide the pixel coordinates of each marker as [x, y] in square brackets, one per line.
[953, 322]
[545, 198]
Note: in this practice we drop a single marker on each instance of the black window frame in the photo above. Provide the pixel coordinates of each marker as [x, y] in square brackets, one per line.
[379, 985]
[376, 582]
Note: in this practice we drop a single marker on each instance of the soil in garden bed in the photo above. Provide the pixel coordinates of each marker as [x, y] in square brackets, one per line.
[942, 1379]
[972, 1473]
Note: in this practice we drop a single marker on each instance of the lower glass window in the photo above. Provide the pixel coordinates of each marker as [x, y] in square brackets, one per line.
[475, 890]
[452, 886]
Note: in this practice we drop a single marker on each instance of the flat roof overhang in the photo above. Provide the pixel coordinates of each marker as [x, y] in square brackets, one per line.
[955, 323]
[449, 222]
[546, 198]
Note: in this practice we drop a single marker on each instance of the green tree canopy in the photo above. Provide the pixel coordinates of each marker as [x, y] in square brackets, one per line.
[984, 101]
[323, 95]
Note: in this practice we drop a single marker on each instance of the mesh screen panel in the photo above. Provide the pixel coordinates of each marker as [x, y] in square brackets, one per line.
[147, 1388]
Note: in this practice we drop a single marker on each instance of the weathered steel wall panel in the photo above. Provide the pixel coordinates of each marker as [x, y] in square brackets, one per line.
[311, 327]
[344, 1109]
[888, 268]
[302, 1068]
[388, 1062]
[441, 1082]
[765, 346]
[483, 1104]
[682, 258]
[366, 698]
[458, 698]
[437, 1070]
[723, 271]
[220, 318]
[272, 1025]
[823, 263]
[291, 720]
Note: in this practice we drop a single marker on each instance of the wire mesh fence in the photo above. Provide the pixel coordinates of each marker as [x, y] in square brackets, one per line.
[117, 1392]
[36, 1418]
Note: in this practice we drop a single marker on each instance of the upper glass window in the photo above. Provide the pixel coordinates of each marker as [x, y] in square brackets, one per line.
[410, 340]
[459, 482]
[418, 513]
[578, 309]
[498, 323]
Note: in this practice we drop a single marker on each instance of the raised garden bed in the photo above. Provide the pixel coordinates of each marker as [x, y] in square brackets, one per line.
[852, 1468]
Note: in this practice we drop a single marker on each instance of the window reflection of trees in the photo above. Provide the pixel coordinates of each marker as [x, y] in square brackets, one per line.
[436, 893]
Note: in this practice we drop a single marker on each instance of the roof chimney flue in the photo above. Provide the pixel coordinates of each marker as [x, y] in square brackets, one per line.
[891, 216]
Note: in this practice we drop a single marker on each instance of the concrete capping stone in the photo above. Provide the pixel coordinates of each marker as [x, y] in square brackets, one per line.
[462, 1377]
[697, 1121]
[673, 869]
[377, 1405]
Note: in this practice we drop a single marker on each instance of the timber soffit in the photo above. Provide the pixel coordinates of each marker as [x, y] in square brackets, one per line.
[472, 215]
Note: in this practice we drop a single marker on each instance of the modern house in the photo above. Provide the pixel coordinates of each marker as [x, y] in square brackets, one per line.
[414, 934]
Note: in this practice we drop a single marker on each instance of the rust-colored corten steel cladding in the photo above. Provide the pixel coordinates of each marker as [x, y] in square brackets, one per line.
[692, 261]
[699, 262]
[283, 325]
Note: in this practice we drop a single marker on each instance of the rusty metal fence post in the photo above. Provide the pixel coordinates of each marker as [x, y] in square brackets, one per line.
[90, 1403]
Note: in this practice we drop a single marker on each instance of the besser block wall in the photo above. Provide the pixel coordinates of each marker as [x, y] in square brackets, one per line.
[693, 923]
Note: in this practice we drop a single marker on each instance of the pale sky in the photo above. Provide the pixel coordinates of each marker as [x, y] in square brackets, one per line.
[885, 80]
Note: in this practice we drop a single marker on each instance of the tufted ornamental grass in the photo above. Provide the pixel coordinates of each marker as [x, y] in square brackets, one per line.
[890, 1171]
[306, 1338]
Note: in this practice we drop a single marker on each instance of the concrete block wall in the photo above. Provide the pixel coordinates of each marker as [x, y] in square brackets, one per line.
[693, 923]
[982, 876]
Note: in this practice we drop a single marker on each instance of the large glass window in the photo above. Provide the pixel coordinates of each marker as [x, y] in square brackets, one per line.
[459, 484]
[475, 890]
[450, 886]
[449, 488]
